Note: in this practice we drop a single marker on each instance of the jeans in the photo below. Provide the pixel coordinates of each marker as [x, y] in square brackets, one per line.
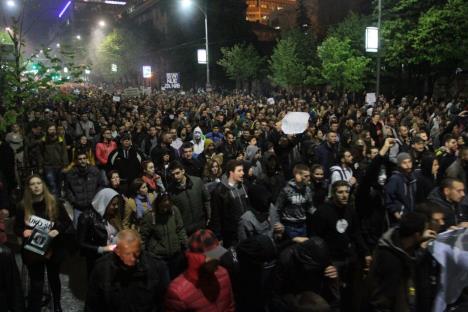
[53, 177]
[76, 215]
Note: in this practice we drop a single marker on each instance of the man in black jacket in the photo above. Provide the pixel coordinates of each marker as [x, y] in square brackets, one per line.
[229, 202]
[390, 283]
[337, 223]
[82, 182]
[193, 166]
[192, 198]
[127, 279]
[126, 160]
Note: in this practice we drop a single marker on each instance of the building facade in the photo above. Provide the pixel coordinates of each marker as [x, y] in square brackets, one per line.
[260, 10]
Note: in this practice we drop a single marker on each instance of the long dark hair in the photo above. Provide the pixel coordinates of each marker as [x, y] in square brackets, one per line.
[207, 281]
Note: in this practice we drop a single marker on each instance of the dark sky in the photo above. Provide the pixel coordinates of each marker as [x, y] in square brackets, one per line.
[40, 19]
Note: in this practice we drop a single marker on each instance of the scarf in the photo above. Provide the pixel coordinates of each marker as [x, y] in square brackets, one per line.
[140, 209]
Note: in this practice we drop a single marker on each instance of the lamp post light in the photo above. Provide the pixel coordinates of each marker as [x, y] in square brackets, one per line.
[102, 23]
[185, 4]
[78, 37]
[11, 3]
[373, 42]
[58, 45]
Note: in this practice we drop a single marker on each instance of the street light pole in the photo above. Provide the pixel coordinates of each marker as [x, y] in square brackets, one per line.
[379, 24]
[186, 3]
[208, 84]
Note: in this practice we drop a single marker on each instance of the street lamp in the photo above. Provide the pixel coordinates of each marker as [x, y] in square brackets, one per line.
[58, 45]
[102, 23]
[11, 3]
[185, 4]
[78, 37]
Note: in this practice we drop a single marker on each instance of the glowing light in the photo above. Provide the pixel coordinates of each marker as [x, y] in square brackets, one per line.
[201, 56]
[64, 9]
[58, 45]
[102, 23]
[115, 2]
[11, 3]
[65, 70]
[186, 3]
[78, 37]
[372, 39]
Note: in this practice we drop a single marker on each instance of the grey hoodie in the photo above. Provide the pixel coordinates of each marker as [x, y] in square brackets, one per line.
[102, 199]
[100, 202]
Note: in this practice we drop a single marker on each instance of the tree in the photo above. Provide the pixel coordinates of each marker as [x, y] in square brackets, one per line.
[352, 28]
[425, 37]
[342, 68]
[287, 69]
[122, 49]
[303, 20]
[23, 77]
[241, 63]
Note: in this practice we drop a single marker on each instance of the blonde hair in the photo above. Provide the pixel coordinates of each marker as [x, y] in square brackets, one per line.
[49, 199]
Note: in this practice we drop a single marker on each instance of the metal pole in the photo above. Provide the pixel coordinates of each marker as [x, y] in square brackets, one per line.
[379, 22]
[208, 85]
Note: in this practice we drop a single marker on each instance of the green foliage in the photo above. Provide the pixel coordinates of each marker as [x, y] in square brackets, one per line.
[342, 68]
[425, 32]
[22, 78]
[353, 28]
[287, 69]
[122, 48]
[241, 62]
[306, 46]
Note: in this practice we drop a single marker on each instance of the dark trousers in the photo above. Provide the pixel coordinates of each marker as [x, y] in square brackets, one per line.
[53, 178]
[350, 280]
[36, 277]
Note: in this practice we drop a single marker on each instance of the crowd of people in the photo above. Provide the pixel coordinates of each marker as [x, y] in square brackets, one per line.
[200, 202]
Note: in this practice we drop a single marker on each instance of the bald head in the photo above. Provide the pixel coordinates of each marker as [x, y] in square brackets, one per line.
[128, 247]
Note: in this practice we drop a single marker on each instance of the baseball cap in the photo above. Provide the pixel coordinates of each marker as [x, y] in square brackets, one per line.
[205, 242]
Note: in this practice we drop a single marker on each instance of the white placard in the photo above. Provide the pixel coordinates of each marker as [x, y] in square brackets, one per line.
[370, 98]
[116, 98]
[295, 122]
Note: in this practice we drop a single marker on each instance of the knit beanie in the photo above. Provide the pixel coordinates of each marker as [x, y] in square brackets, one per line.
[402, 157]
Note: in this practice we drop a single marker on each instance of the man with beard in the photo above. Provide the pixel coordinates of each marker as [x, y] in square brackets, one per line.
[344, 171]
[336, 222]
[82, 182]
[127, 279]
[295, 201]
[53, 158]
[400, 191]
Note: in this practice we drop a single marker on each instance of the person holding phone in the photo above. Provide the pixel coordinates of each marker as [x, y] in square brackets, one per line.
[98, 227]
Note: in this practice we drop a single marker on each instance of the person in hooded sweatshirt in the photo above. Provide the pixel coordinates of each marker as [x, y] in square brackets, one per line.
[337, 223]
[426, 177]
[261, 218]
[390, 283]
[301, 268]
[229, 202]
[198, 142]
[98, 227]
[272, 177]
[400, 191]
[252, 156]
[295, 203]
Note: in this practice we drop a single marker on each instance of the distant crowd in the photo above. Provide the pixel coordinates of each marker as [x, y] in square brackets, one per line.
[200, 201]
